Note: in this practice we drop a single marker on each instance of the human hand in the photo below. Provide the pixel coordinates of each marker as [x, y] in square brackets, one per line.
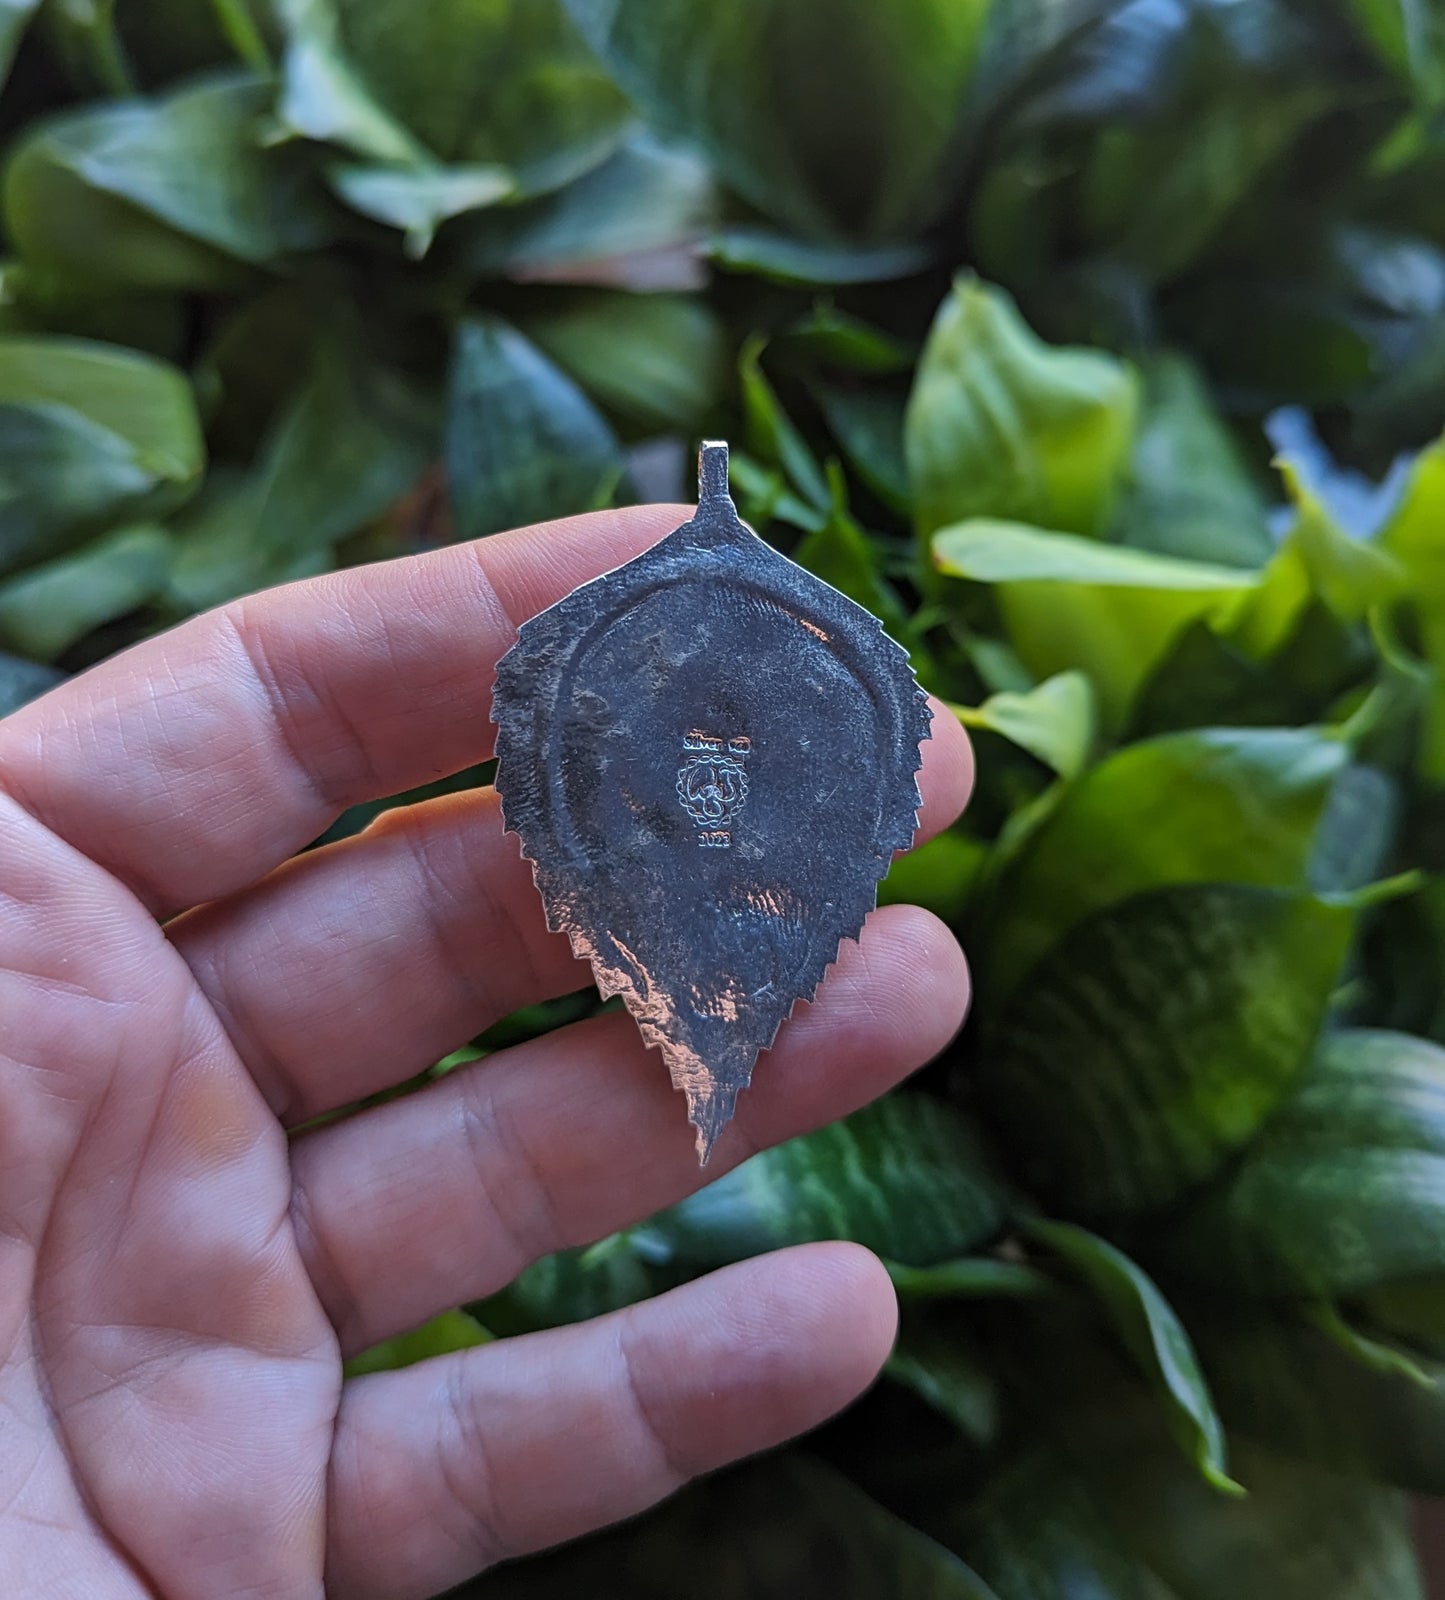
[179, 1283]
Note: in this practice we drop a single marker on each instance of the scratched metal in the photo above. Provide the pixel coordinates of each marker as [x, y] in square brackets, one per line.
[710, 756]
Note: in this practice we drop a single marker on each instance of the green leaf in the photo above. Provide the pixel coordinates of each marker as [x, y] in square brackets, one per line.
[904, 1176]
[937, 1364]
[971, 1278]
[1106, 609]
[1155, 1039]
[428, 83]
[868, 425]
[523, 443]
[179, 188]
[782, 258]
[1235, 805]
[772, 436]
[419, 201]
[1002, 425]
[841, 553]
[660, 361]
[46, 608]
[1150, 1330]
[1054, 722]
[354, 437]
[442, 1336]
[642, 202]
[939, 876]
[848, 138]
[1344, 1191]
[1191, 494]
[1318, 560]
[15, 17]
[87, 432]
[1415, 535]
[1293, 1386]
[771, 1531]
[21, 681]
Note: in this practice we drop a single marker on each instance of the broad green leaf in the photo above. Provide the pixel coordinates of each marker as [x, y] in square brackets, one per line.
[939, 875]
[15, 16]
[1415, 535]
[1190, 493]
[643, 201]
[1357, 831]
[419, 200]
[850, 136]
[842, 554]
[22, 681]
[904, 1176]
[660, 361]
[1318, 560]
[1291, 1385]
[1214, 805]
[1105, 609]
[1002, 425]
[442, 1336]
[772, 436]
[179, 188]
[1155, 1039]
[1150, 1330]
[1410, 36]
[355, 436]
[936, 1362]
[87, 432]
[46, 608]
[1054, 722]
[838, 339]
[523, 443]
[868, 425]
[420, 83]
[1344, 1191]
[783, 1528]
[783, 258]
[1203, 680]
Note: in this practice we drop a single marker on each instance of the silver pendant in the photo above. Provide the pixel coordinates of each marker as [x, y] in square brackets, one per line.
[710, 756]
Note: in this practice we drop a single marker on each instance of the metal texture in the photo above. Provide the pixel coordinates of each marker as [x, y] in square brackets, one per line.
[711, 757]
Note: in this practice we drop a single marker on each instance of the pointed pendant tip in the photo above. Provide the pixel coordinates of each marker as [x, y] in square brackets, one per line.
[712, 471]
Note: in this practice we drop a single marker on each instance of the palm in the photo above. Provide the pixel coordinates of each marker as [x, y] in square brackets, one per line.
[179, 1281]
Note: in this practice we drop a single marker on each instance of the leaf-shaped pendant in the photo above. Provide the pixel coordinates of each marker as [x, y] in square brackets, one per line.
[711, 757]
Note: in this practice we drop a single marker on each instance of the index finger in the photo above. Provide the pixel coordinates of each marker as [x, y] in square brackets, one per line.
[193, 763]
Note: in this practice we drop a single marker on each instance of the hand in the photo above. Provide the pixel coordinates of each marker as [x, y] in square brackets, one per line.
[179, 1283]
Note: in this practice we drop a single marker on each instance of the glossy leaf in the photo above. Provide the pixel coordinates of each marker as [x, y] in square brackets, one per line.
[1054, 722]
[783, 258]
[659, 361]
[852, 139]
[180, 188]
[1191, 494]
[868, 425]
[46, 608]
[905, 1176]
[355, 436]
[523, 443]
[1002, 425]
[1155, 1039]
[1344, 1191]
[936, 1363]
[1150, 1330]
[1415, 535]
[1213, 805]
[87, 431]
[15, 16]
[1106, 609]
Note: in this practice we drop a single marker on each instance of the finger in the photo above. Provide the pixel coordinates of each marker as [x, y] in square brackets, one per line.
[459, 1462]
[356, 966]
[195, 762]
[445, 1196]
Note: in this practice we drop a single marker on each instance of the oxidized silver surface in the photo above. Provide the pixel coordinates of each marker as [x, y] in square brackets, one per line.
[711, 757]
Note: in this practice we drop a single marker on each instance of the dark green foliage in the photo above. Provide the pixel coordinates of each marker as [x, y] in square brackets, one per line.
[1099, 348]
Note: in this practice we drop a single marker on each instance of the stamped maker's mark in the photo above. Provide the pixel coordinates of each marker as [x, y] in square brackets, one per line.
[712, 785]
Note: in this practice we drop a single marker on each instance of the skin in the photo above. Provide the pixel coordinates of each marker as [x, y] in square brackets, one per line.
[180, 1279]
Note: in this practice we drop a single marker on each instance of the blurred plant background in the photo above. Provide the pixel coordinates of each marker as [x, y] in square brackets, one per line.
[1100, 349]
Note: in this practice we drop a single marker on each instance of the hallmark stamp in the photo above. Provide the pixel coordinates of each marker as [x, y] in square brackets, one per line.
[712, 785]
